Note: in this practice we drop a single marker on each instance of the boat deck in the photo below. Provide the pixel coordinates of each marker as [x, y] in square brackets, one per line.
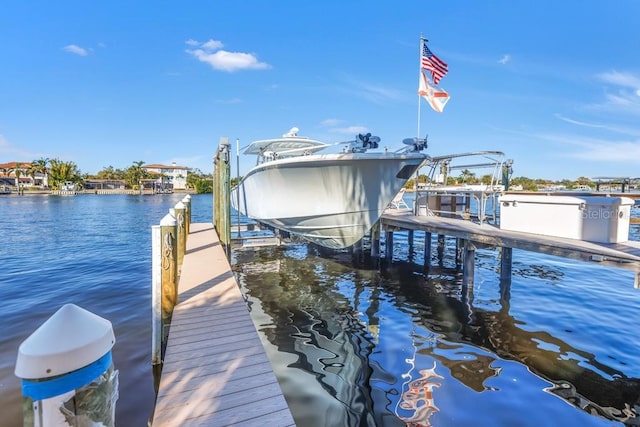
[623, 255]
[215, 372]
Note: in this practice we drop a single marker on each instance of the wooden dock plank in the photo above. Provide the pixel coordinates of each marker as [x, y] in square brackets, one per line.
[215, 371]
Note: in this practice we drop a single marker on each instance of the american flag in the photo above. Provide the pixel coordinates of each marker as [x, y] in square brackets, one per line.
[430, 62]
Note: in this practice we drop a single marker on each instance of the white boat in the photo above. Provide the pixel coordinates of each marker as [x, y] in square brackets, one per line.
[329, 199]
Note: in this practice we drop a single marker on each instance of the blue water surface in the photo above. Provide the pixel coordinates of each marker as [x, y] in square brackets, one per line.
[93, 251]
[352, 344]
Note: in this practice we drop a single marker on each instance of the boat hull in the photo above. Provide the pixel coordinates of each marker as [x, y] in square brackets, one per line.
[329, 199]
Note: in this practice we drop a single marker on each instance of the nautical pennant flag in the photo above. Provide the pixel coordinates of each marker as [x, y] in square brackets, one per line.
[435, 96]
[430, 62]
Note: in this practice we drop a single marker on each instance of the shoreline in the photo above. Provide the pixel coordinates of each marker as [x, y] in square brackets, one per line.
[90, 192]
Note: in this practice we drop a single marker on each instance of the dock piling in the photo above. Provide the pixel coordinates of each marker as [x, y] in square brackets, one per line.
[375, 240]
[164, 274]
[222, 192]
[181, 231]
[506, 259]
[388, 246]
[468, 269]
[70, 381]
[187, 211]
[427, 251]
[440, 249]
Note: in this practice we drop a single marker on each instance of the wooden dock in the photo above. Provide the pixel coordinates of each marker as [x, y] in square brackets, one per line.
[621, 255]
[215, 371]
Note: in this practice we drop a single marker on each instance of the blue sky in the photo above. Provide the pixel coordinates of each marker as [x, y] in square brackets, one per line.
[553, 84]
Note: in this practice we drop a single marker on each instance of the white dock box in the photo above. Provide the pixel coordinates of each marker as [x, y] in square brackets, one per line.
[590, 218]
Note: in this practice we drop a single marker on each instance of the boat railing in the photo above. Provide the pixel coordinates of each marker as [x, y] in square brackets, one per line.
[466, 196]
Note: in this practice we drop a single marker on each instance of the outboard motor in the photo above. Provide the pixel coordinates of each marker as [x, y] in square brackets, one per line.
[364, 142]
[416, 144]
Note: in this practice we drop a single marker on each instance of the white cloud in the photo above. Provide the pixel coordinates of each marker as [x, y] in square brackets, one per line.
[600, 150]
[624, 97]
[606, 151]
[14, 154]
[212, 45]
[607, 127]
[75, 49]
[378, 93]
[331, 122]
[504, 59]
[621, 79]
[223, 60]
[350, 130]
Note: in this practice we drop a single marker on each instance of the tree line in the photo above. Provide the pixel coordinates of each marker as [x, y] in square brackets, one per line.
[527, 184]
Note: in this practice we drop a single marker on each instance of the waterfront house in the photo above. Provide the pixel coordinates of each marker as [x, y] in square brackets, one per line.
[21, 173]
[168, 177]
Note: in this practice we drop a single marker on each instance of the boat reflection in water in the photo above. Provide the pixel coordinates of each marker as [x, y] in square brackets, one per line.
[353, 346]
[418, 399]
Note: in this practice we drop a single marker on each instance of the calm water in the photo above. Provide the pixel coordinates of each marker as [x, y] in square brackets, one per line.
[350, 344]
[95, 252]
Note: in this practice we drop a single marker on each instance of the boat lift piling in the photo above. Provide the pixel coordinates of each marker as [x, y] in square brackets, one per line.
[221, 194]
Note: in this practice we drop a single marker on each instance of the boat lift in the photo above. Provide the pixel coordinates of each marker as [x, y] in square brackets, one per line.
[437, 196]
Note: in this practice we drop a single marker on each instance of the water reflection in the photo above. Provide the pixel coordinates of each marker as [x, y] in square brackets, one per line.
[417, 404]
[355, 346]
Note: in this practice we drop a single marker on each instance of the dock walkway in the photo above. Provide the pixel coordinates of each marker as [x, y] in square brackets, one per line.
[215, 372]
[622, 255]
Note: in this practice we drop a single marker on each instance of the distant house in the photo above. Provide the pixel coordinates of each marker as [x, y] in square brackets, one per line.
[104, 184]
[8, 173]
[168, 177]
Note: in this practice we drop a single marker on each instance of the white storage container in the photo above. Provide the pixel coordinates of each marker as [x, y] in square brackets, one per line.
[591, 218]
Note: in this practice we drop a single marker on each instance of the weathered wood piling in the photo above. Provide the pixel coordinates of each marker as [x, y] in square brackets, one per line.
[221, 193]
[168, 246]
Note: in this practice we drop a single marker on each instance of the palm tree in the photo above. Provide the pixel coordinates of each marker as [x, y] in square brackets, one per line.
[40, 166]
[62, 172]
[17, 171]
[466, 174]
[135, 174]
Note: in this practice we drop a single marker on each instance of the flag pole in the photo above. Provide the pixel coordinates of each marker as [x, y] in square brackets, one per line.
[419, 77]
[415, 183]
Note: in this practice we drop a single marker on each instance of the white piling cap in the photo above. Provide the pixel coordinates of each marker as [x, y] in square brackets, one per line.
[169, 219]
[69, 340]
[180, 205]
[187, 198]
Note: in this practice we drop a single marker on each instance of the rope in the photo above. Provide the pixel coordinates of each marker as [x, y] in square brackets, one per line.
[167, 251]
[180, 221]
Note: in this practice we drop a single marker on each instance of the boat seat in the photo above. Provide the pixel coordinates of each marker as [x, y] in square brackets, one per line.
[398, 201]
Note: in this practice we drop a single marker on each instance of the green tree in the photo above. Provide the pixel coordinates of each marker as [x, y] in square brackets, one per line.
[204, 185]
[111, 173]
[61, 172]
[466, 176]
[527, 184]
[135, 174]
[486, 179]
[17, 172]
[40, 167]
